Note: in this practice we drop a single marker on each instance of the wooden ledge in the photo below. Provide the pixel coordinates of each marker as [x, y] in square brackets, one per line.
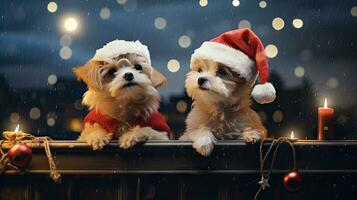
[178, 157]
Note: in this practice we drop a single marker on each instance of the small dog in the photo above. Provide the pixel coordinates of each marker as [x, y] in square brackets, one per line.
[122, 97]
[221, 107]
[220, 83]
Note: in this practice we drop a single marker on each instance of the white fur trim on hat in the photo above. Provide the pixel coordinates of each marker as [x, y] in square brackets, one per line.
[120, 47]
[235, 59]
[264, 93]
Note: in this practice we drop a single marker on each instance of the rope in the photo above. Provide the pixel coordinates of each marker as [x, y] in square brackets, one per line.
[265, 176]
[21, 137]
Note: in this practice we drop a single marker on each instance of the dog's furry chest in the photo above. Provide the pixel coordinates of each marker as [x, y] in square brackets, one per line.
[224, 125]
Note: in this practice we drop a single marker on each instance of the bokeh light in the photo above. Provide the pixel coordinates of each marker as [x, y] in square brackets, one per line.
[235, 3]
[299, 71]
[278, 116]
[173, 65]
[332, 83]
[70, 24]
[66, 40]
[35, 113]
[298, 23]
[181, 106]
[51, 122]
[184, 41]
[52, 7]
[65, 53]
[52, 79]
[14, 118]
[104, 13]
[160, 23]
[354, 11]
[263, 4]
[203, 3]
[75, 125]
[121, 2]
[278, 23]
[244, 24]
[271, 51]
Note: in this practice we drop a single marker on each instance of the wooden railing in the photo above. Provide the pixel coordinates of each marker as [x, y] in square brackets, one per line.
[173, 170]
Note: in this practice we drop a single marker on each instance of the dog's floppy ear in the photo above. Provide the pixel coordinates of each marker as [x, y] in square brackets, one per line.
[157, 78]
[89, 74]
[81, 72]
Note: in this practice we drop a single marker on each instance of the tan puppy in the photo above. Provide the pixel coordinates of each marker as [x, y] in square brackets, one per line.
[123, 100]
[223, 72]
[221, 107]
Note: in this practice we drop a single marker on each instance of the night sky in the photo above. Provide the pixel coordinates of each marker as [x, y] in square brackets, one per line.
[324, 47]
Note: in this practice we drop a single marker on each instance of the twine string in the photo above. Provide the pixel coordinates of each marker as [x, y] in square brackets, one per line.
[26, 138]
[276, 143]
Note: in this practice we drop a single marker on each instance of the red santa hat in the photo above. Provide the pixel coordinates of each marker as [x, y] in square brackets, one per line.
[120, 47]
[243, 52]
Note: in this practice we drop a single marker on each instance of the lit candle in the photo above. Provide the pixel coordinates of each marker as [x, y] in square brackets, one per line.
[292, 136]
[325, 122]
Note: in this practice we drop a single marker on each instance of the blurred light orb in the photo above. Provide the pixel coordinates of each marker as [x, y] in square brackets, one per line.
[354, 11]
[51, 122]
[65, 53]
[14, 117]
[244, 24]
[262, 4]
[160, 23]
[121, 2]
[184, 41]
[70, 24]
[278, 23]
[298, 23]
[332, 83]
[203, 3]
[104, 13]
[181, 106]
[35, 113]
[75, 125]
[271, 51]
[173, 65]
[66, 40]
[235, 3]
[278, 116]
[51, 115]
[299, 71]
[52, 7]
[52, 79]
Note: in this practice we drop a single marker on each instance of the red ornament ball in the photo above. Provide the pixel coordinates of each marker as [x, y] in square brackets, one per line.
[292, 181]
[20, 155]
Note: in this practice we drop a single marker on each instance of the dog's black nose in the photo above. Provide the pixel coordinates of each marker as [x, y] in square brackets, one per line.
[128, 76]
[201, 81]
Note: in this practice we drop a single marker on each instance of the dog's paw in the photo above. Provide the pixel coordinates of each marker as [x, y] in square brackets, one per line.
[129, 139]
[251, 136]
[204, 146]
[98, 141]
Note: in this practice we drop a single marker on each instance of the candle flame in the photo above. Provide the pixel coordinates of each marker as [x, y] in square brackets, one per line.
[292, 135]
[17, 128]
[325, 103]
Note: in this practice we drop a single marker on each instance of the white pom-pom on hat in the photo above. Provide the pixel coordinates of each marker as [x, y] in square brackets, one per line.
[264, 93]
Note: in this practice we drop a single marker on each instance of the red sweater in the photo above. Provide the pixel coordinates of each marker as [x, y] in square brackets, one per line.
[155, 121]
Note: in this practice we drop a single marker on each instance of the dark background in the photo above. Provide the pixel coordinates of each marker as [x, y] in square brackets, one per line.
[325, 47]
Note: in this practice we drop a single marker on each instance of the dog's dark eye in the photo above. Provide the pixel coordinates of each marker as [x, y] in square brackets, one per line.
[111, 72]
[221, 71]
[138, 67]
[199, 70]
